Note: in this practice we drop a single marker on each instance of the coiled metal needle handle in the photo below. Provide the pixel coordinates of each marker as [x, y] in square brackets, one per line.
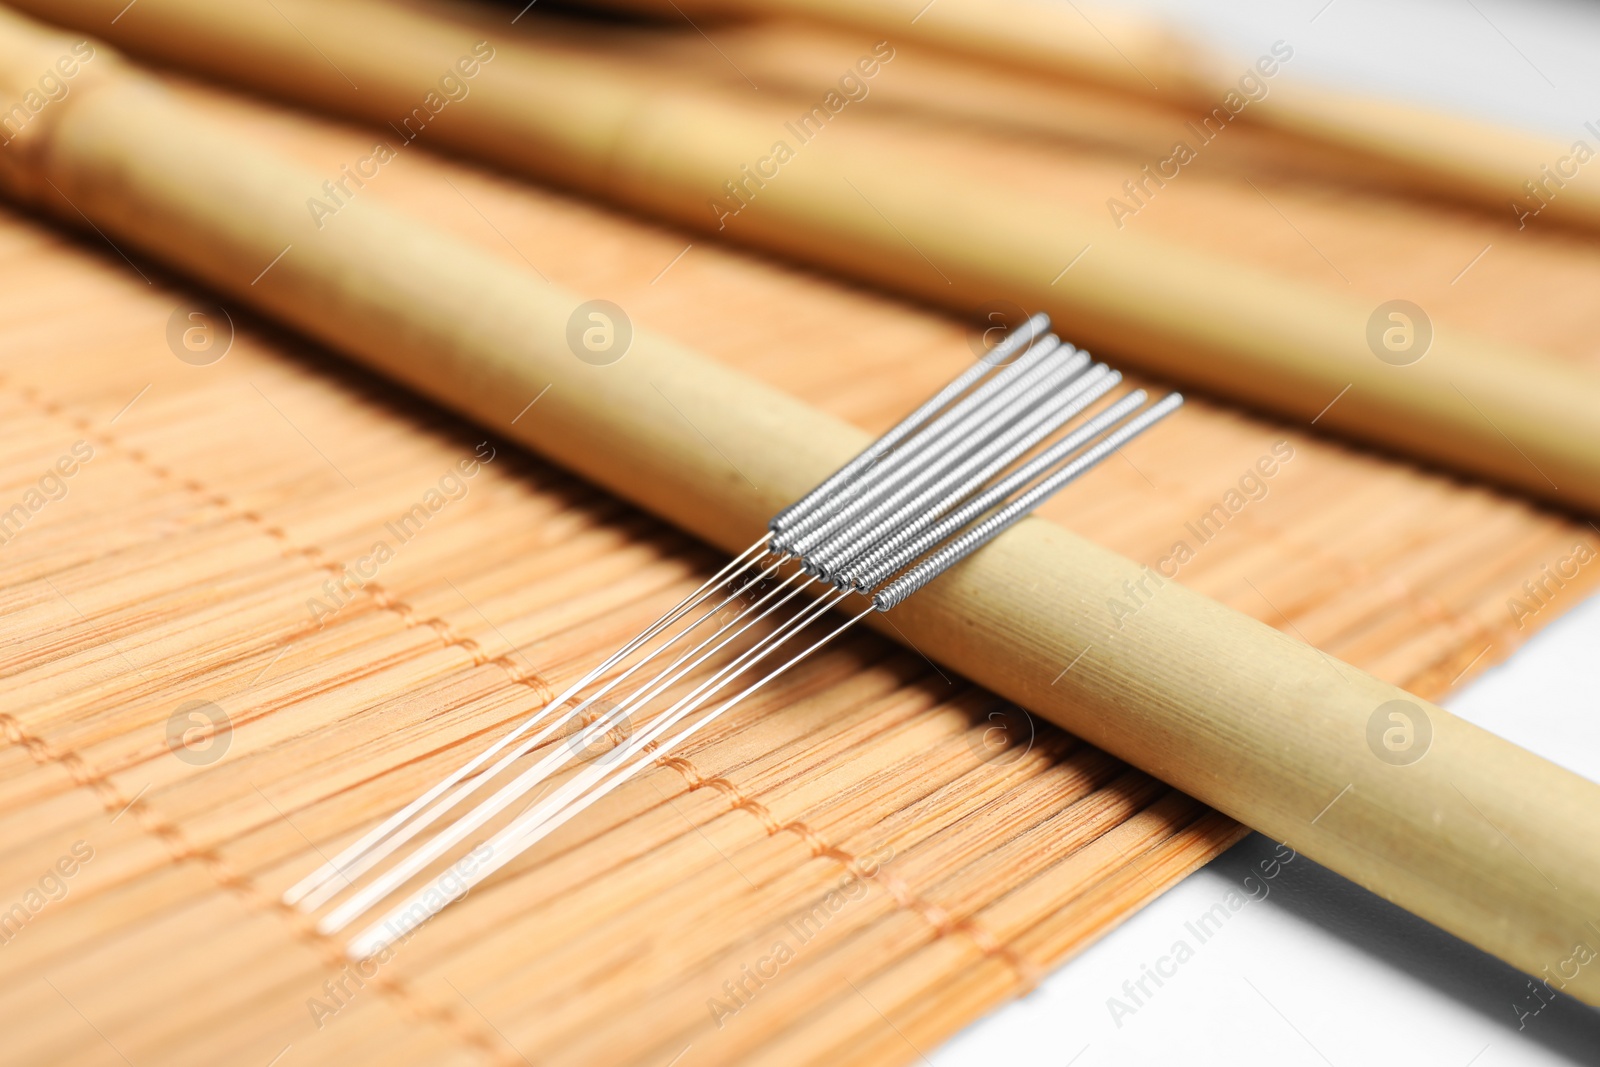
[958, 442]
[965, 416]
[931, 528]
[1009, 346]
[992, 527]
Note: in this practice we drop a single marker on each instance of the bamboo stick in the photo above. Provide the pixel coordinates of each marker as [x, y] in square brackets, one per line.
[1500, 169]
[1126, 51]
[896, 217]
[803, 60]
[1477, 836]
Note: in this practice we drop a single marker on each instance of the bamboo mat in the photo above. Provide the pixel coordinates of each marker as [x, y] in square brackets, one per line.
[954, 856]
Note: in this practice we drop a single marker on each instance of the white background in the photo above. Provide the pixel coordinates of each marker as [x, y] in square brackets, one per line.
[1320, 972]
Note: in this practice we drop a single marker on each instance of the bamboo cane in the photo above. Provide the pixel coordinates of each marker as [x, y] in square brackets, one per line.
[896, 218]
[1478, 836]
[804, 59]
[1502, 170]
[1126, 51]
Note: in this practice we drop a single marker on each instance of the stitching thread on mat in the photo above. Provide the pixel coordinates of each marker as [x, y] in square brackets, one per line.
[1429, 607]
[290, 549]
[180, 849]
[943, 924]
[938, 918]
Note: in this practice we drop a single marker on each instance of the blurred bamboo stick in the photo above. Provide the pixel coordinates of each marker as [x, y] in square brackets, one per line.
[1503, 170]
[1125, 51]
[1255, 723]
[804, 60]
[887, 214]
